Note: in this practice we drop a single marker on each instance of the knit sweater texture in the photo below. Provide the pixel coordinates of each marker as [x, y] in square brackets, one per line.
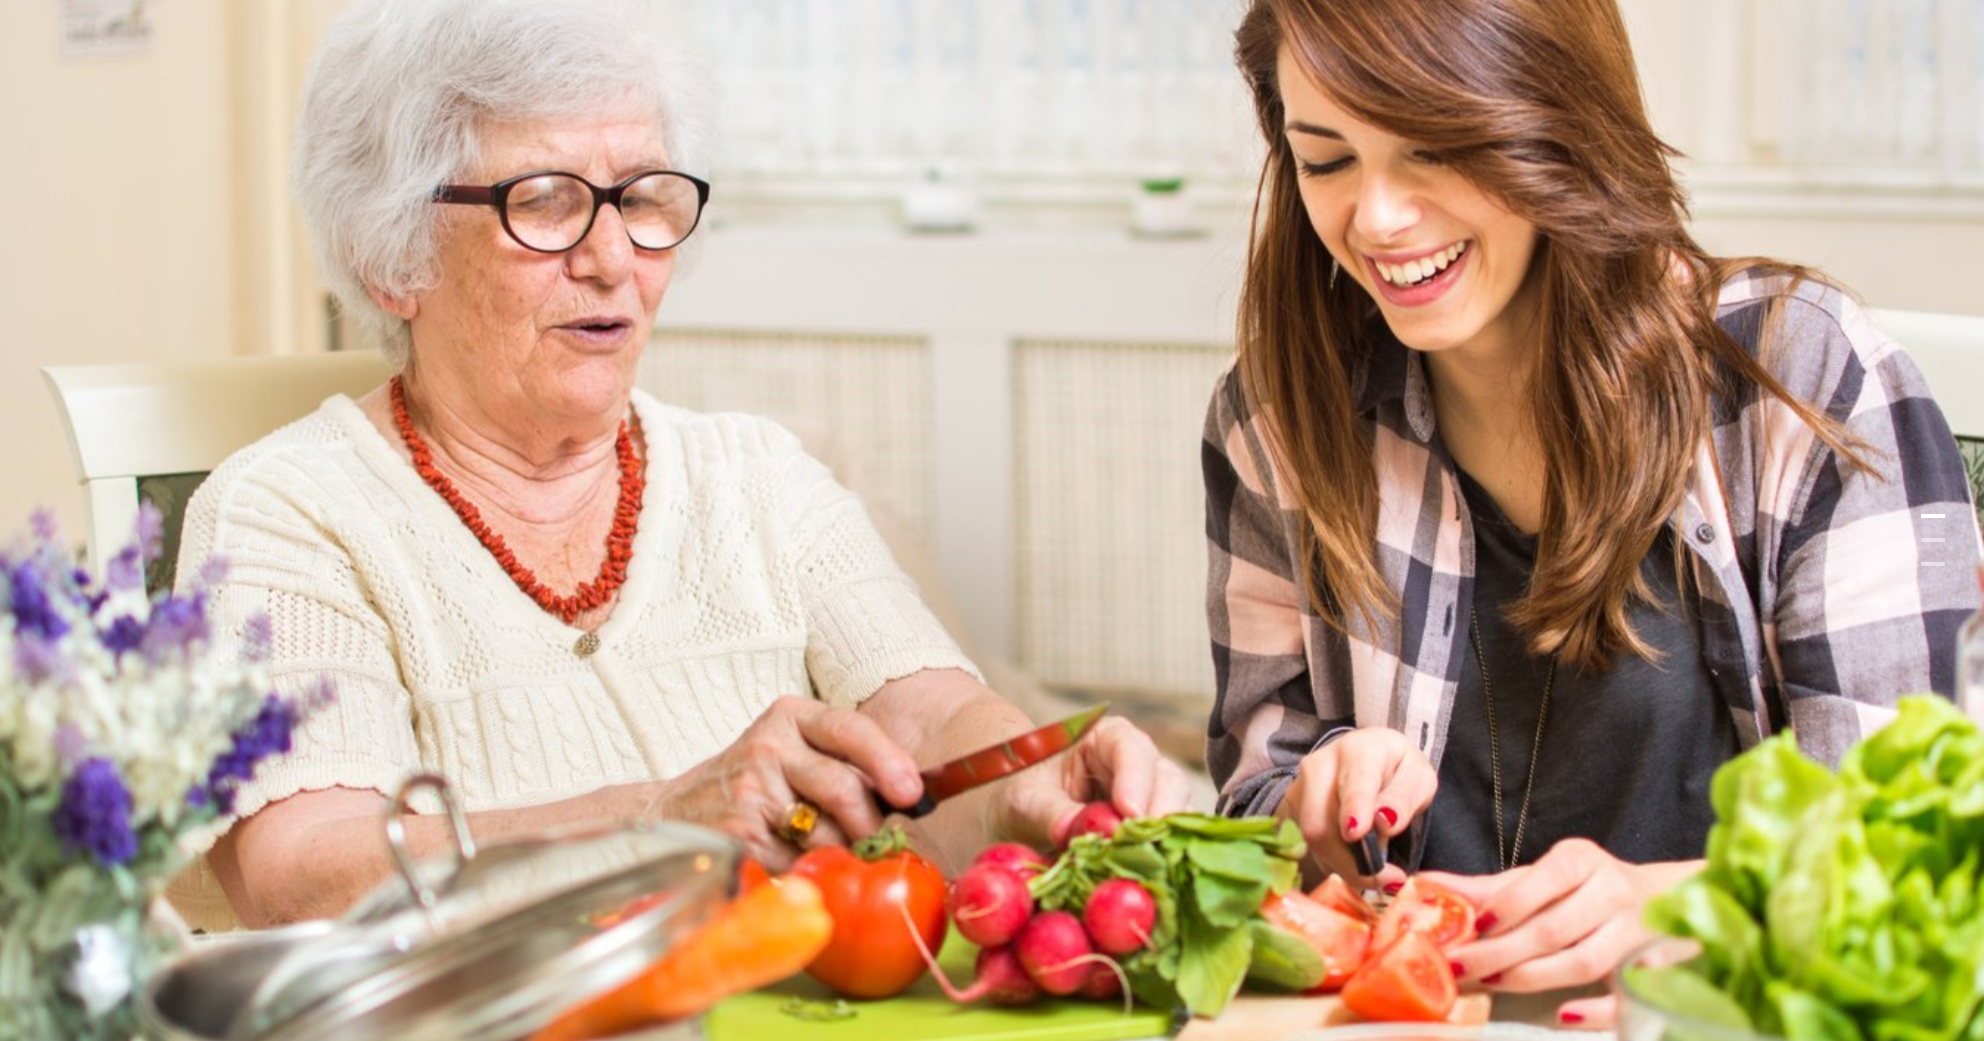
[754, 575]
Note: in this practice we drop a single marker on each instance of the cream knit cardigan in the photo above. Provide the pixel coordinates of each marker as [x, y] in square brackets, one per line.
[754, 575]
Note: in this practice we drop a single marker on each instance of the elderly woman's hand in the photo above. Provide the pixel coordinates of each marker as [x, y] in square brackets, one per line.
[1371, 778]
[1113, 761]
[798, 749]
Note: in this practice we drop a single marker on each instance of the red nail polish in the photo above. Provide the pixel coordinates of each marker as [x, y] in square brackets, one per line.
[1459, 970]
[1392, 888]
[1571, 1017]
[1492, 979]
[1390, 815]
[1350, 824]
[1484, 923]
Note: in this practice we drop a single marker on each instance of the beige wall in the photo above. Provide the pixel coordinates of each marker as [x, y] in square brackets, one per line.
[148, 216]
[118, 239]
[1896, 249]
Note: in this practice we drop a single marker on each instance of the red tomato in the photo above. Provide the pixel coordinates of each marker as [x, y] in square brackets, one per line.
[751, 875]
[1408, 981]
[1340, 939]
[873, 953]
[1429, 909]
[1337, 895]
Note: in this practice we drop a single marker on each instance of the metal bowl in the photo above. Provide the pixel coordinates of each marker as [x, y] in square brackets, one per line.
[486, 945]
[197, 997]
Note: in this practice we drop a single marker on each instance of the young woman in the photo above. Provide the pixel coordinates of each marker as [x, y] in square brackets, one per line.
[1517, 494]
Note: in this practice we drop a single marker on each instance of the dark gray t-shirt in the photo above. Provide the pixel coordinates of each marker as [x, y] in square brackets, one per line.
[1626, 755]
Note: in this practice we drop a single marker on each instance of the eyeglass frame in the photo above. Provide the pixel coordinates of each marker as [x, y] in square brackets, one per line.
[497, 196]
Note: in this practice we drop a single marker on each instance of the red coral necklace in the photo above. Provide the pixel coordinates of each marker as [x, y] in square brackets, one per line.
[619, 541]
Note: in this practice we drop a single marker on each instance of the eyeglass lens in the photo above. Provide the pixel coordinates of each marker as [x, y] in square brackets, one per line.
[552, 212]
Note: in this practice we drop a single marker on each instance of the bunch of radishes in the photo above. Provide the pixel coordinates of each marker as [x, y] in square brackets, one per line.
[1023, 951]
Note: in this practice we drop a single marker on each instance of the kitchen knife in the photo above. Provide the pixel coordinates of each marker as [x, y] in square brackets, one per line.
[991, 763]
[1369, 852]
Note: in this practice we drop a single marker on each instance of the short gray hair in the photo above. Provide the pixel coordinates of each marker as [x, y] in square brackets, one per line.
[400, 88]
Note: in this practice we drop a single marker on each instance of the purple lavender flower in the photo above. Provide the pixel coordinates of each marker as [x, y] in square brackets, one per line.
[29, 602]
[266, 735]
[123, 635]
[177, 625]
[39, 660]
[95, 814]
[43, 522]
[125, 571]
[257, 637]
[150, 534]
[213, 572]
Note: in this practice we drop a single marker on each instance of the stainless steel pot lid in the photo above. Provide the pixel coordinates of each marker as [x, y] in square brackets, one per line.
[488, 944]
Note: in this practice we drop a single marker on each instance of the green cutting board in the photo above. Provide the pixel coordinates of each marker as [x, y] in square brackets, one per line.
[923, 1013]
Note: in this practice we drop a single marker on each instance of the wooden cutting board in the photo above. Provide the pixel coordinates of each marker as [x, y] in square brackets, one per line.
[1263, 1017]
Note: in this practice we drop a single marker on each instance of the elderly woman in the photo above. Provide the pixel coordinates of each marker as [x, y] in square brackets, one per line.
[572, 601]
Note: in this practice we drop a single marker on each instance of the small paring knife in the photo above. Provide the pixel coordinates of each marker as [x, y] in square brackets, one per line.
[1369, 852]
[993, 762]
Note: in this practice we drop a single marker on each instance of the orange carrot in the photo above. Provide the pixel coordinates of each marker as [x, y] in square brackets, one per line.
[763, 936]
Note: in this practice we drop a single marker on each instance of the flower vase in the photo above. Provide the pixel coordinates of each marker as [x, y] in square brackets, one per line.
[75, 958]
[125, 732]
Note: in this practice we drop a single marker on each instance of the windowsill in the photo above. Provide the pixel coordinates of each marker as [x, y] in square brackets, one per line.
[1875, 193]
[1097, 201]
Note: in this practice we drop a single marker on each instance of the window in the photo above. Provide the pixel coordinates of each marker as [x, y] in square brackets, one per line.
[1035, 101]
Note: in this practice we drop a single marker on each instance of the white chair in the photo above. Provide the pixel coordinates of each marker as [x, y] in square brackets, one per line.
[151, 431]
[1949, 349]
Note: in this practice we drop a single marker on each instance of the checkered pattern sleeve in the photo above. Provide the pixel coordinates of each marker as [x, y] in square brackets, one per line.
[1863, 578]
[1264, 717]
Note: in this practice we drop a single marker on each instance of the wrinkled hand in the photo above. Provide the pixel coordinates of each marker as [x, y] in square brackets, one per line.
[1370, 778]
[797, 749]
[1114, 760]
[1567, 920]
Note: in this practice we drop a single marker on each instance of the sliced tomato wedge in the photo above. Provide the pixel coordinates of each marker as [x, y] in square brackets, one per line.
[1408, 981]
[1336, 894]
[1340, 939]
[1429, 909]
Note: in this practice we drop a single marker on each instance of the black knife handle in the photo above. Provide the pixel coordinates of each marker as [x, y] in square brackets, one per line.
[924, 805]
[1369, 852]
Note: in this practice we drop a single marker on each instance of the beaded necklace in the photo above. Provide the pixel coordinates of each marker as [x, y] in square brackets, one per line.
[619, 541]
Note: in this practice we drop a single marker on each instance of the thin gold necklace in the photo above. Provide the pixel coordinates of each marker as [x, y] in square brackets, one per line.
[1507, 855]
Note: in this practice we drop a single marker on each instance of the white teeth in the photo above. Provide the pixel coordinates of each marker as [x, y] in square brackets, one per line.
[1422, 268]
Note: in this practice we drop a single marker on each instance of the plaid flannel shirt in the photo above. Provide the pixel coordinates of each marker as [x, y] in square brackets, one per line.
[1821, 596]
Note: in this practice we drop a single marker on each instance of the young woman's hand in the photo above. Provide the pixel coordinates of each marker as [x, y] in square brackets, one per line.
[1566, 920]
[1370, 778]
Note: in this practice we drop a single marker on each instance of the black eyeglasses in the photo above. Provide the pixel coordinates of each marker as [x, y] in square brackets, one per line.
[551, 211]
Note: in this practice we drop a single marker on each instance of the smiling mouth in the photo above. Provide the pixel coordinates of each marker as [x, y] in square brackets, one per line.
[1424, 269]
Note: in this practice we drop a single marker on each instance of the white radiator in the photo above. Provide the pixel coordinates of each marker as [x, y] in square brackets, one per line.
[862, 403]
[1111, 520]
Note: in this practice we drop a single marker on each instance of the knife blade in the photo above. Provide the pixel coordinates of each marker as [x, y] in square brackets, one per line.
[993, 762]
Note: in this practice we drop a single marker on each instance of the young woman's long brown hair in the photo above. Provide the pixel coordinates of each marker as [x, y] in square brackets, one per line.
[1538, 102]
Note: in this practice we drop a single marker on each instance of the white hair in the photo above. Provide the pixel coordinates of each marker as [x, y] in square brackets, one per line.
[400, 88]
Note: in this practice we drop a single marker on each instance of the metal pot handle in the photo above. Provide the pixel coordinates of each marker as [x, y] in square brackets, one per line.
[396, 833]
